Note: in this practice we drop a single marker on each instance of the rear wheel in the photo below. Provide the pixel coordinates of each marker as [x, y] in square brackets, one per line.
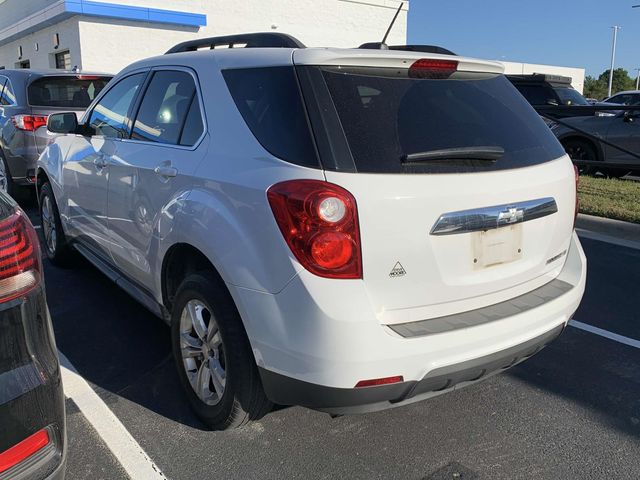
[212, 352]
[55, 242]
[578, 149]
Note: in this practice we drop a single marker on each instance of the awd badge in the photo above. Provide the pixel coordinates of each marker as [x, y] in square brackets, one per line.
[397, 271]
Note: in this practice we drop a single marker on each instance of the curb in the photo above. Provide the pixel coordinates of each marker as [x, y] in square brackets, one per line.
[607, 226]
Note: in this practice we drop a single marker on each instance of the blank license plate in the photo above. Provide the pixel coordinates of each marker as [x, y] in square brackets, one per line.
[494, 247]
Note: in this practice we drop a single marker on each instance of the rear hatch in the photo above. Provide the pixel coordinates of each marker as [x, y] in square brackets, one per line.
[61, 93]
[438, 154]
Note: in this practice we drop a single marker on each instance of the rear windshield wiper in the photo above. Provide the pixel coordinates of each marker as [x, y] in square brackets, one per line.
[487, 153]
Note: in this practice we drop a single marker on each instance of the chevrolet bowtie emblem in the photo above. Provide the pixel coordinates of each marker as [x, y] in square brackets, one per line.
[511, 215]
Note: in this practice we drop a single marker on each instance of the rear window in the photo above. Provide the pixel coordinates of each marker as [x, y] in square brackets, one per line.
[387, 116]
[67, 91]
[270, 102]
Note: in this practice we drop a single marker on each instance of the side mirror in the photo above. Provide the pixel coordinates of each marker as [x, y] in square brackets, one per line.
[629, 116]
[62, 123]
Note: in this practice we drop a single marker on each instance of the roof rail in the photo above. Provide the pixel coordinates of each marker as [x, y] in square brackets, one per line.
[242, 40]
[407, 48]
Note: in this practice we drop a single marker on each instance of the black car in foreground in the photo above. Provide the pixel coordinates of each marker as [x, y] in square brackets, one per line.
[32, 414]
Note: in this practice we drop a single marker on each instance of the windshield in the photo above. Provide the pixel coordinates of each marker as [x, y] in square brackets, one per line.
[68, 91]
[569, 96]
[387, 116]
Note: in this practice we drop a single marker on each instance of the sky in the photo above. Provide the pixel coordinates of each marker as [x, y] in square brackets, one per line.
[571, 33]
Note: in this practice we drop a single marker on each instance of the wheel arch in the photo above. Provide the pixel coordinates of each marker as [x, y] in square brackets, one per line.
[596, 145]
[181, 260]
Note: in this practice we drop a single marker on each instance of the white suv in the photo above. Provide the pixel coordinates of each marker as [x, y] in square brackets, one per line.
[343, 229]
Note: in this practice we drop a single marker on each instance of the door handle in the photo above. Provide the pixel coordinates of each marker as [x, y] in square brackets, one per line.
[100, 162]
[165, 171]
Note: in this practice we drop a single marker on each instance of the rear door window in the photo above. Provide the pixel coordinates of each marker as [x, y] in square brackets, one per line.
[167, 103]
[387, 116]
[65, 91]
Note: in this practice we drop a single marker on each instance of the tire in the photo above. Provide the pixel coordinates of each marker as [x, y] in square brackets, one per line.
[578, 149]
[55, 243]
[229, 392]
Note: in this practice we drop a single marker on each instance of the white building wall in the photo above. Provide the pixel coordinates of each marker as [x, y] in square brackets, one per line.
[68, 33]
[576, 74]
[109, 45]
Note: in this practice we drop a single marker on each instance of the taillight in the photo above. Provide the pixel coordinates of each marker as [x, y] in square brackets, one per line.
[432, 68]
[575, 214]
[20, 268]
[29, 122]
[319, 222]
[23, 450]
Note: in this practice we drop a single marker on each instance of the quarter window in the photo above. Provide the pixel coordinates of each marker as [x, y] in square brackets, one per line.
[6, 93]
[109, 117]
[170, 111]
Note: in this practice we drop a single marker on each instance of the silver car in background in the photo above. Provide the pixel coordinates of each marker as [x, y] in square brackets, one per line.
[27, 97]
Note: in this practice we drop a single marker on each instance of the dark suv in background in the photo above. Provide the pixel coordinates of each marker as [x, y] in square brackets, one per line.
[542, 89]
[27, 97]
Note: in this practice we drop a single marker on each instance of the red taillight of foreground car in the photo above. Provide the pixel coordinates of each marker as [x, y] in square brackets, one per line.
[29, 122]
[319, 222]
[379, 381]
[432, 68]
[20, 269]
[575, 214]
[23, 450]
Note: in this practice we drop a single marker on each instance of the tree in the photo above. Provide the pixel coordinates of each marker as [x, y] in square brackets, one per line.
[595, 87]
[621, 80]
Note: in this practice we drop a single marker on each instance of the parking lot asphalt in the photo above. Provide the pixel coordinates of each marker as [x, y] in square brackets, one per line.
[572, 411]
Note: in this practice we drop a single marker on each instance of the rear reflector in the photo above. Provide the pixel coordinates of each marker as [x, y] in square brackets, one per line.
[29, 122]
[20, 268]
[432, 68]
[379, 381]
[23, 450]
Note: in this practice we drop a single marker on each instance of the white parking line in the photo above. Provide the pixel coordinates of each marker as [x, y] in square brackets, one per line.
[601, 237]
[124, 447]
[605, 333]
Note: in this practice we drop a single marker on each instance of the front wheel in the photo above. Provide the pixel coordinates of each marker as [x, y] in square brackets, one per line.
[212, 352]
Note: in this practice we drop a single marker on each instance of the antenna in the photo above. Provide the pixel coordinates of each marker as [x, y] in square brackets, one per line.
[383, 45]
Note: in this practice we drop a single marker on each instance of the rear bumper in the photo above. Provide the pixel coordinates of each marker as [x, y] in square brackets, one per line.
[320, 335]
[288, 391]
[22, 165]
[31, 394]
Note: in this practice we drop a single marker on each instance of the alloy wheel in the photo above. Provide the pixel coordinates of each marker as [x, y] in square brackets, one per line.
[49, 225]
[202, 351]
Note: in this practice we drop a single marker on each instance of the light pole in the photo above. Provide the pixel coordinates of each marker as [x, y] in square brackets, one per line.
[638, 79]
[613, 56]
